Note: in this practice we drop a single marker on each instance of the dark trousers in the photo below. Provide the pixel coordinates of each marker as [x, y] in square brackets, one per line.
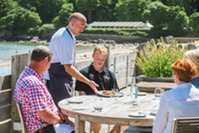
[48, 129]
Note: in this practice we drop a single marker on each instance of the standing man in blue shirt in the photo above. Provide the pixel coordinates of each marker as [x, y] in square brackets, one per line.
[62, 69]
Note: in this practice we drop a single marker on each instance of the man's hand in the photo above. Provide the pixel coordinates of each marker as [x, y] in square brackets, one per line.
[93, 85]
[64, 118]
[69, 68]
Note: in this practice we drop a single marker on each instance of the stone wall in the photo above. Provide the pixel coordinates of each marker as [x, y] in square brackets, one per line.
[116, 38]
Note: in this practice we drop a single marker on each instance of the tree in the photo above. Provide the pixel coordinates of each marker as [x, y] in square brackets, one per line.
[47, 9]
[172, 19]
[5, 6]
[189, 6]
[62, 19]
[19, 20]
[130, 10]
[87, 7]
[194, 19]
[177, 19]
[105, 10]
[156, 13]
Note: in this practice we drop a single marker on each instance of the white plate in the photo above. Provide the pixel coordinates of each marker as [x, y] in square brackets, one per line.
[118, 94]
[75, 100]
[137, 114]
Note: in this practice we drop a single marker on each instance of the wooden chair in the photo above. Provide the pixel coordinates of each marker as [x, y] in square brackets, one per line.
[185, 125]
[23, 129]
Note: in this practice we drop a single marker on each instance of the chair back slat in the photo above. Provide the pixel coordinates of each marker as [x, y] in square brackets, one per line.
[23, 130]
[186, 125]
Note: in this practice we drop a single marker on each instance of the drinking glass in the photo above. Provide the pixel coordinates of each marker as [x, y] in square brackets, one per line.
[158, 92]
[134, 96]
[98, 104]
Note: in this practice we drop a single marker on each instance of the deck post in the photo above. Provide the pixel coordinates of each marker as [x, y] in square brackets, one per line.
[18, 63]
[107, 62]
[127, 71]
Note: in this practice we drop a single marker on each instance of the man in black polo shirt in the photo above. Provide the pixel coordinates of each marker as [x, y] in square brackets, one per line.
[98, 73]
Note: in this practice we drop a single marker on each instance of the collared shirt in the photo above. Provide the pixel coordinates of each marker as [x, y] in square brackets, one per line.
[62, 45]
[31, 94]
[105, 79]
[195, 82]
[182, 101]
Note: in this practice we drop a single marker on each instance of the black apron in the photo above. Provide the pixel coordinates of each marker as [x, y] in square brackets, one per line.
[61, 83]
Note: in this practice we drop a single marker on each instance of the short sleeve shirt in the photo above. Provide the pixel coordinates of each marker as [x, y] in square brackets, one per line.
[31, 94]
[62, 45]
[105, 79]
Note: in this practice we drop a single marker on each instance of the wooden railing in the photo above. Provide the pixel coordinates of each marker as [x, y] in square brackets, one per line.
[5, 104]
[121, 65]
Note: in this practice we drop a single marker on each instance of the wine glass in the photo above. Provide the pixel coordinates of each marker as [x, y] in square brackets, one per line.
[158, 92]
[98, 104]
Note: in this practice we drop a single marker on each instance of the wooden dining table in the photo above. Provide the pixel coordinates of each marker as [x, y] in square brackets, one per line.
[116, 110]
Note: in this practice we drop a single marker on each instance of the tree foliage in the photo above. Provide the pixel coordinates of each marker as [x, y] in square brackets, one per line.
[5, 6]
[194, 19]
[62, 18]
[19, 20]
[164, 15]
[46, 28]
[156, 13]
[177, 19]
[189, 6]
[105, 11]
[47, 9]
[173, 18]
[130, 10]
[87, 7]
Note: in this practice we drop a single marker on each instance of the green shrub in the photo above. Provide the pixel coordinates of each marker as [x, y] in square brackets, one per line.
[140, 33]
[122, 31]
[101, 31]
[156, 61]
[34, 31]
[46, 28]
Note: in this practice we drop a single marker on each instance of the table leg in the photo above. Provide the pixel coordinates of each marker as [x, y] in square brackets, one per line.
[79, 124]
[117, 128]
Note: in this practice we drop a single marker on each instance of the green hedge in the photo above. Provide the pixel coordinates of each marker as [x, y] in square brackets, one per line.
[123, 31]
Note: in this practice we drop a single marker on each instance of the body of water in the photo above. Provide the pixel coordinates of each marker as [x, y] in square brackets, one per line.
[8, 49]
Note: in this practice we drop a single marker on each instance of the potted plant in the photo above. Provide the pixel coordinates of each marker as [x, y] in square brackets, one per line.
[155, 59]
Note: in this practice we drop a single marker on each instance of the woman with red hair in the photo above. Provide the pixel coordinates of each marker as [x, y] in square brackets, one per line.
[182, 101]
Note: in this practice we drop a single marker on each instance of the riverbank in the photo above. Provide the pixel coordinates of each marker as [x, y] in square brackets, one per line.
[5, 63]
[99, 38]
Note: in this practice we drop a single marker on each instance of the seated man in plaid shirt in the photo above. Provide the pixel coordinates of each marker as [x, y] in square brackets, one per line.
[39, 112]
